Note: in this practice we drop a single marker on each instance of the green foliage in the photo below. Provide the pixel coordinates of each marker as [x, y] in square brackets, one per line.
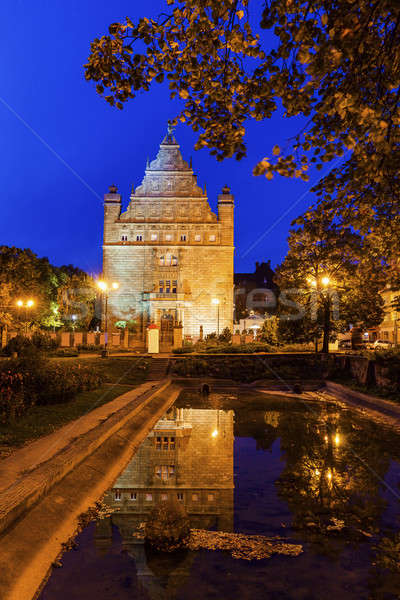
[320, 249]
[334, 63]
[32, 379]
[225, 336]
[269, 331]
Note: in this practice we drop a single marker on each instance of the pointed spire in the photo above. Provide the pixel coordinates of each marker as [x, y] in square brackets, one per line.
[148, 163]
[190, 163]
[205, 190]
[132, 190]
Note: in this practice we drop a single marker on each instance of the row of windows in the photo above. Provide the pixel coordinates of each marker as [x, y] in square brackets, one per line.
[164, 472]
[149, 497]
[165, 443]
[168, 237]
[165, 287]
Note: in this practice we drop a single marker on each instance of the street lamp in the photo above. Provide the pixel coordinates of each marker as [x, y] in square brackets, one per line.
[105, 288]
[25, 304]
[216, 302]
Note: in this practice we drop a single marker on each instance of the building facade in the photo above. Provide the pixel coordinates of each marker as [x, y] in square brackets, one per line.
[171, 255]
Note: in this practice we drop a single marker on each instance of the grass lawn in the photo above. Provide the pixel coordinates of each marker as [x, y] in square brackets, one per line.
[122, 374]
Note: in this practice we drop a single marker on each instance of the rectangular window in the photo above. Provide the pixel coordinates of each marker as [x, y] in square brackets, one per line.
[168, 237]
[165, 443]
[174, 286]
[133, 496]
[168, 286]
[139, 238]
[179, 496]
[124, 238]
[164, 497]
[158, 443]
[153, 237]
[164, 472]
[212, 238]
[183, 237]
[195, 497]
[149, 497]
[117, 495]
[172, 443]
[197, 237]
[161, 286]
[210, 497]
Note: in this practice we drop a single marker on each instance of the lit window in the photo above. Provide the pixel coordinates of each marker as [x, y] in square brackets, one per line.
[195, 497]
[174, 260]
[179, 496]
[174, 286]
[139, 238]
[183, 237]
[164, 497]
[124, 238]
[162, 261]
[133, 496]
[149, 497]
[153, 237]
[168, 237]
[164, 472]
[117, 495]
[161, 287]
[212, 238]
[168, 286]
[210, 497]
[158, 443]
[197, 237]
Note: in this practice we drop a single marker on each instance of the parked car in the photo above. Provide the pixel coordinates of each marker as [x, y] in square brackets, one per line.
[383, 344]
[344, 345]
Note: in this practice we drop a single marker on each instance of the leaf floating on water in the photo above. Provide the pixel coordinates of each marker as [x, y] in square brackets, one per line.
[246, 547]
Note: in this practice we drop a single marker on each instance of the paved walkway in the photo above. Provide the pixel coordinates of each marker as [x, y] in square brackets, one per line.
[30, 456]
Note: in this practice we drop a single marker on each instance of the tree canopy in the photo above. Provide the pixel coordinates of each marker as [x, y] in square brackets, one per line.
[335, 62]
[324, 275]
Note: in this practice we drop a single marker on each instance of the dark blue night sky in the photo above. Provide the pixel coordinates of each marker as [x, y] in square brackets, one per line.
[62, 145]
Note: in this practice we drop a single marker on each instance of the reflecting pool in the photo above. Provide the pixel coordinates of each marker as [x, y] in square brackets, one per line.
[307, 472]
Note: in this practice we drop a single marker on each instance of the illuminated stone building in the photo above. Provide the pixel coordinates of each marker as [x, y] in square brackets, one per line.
[172, 256]
[188, 457]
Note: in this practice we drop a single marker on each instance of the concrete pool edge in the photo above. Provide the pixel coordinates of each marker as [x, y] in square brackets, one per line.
[35, 540]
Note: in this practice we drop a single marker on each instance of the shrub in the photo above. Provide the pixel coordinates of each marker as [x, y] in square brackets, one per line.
[12, 404]
[18, 344]
[44, 341]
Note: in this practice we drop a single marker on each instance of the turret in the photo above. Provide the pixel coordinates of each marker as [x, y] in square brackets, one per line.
[112, 210]
[225, 215]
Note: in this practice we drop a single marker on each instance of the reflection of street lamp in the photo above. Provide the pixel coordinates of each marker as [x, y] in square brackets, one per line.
[216, 302]
[27, 304]
[105, 288]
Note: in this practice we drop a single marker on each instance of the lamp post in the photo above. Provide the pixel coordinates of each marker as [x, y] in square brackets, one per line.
[216, 302]
[317, 283]
[27, 304]
[105, 288]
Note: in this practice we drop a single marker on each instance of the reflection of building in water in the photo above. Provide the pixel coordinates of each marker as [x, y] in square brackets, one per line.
[187, 457]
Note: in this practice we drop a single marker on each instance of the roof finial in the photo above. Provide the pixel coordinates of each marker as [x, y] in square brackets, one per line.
[205, 190]
[148, 163]
[190, 164]
[132, 190]
[171, 127]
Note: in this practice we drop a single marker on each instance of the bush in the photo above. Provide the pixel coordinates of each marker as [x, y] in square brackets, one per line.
[168, 527]
[33, 379]
[90, 347]
[44, 341]
[186, 349]
[19, 344]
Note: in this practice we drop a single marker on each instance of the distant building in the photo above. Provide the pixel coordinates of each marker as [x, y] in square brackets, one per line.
[389, 328]
[171, 255]
[255, 292]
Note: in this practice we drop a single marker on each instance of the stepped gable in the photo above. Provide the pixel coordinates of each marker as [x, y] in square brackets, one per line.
[168, 175]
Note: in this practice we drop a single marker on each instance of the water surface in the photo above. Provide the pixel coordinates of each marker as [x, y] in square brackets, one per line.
[312, 473]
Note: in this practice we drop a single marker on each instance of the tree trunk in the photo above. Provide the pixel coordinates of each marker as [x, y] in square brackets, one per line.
[327, 326]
